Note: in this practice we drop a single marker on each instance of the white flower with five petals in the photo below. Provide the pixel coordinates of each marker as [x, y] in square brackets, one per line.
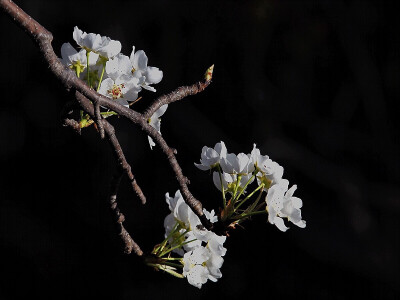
[194, 268]
[230, 180]
[122, 89]
[237, 164]
[76, 60]
[117, 66]
[101, 45]
[147, 75]
[211, 157]
[270, 172]
[282, 204]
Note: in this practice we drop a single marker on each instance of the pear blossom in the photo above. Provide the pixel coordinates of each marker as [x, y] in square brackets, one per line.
[155, 122]
[201, 264]
[269, 171]
[102, 45]
[147, 75]
[76, 60]
[122, 89]
[210, 215]
[181, 211]
[213, 264]
[186, 218]
[193, 266]
[282, 204]
[258, 159]
[230, 180]
[188, 221]
[118, 65]
[237, 164]
[211, 157]
[272, 175]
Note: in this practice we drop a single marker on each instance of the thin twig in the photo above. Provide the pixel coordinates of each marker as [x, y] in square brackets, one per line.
[110, 131]
[175, 95]
[130, 244]
[97, 118]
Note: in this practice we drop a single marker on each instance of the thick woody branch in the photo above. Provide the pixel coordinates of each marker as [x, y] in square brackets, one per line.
[43, 38]
[138, 119]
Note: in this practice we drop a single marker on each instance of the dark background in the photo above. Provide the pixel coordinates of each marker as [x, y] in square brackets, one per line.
[313, 83]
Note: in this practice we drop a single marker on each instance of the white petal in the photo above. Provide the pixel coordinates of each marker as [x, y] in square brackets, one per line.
[122, 101]
[291, 191]
[159, 112]
[132, 56]
[216, 180]
[110, 49]
[140, 61]
[151, 142]
[66, 51]
[106, 85]
[93, 57]
[202, 167]
[280, 224]
[77, 35]
[297, 203]
[153, 75]
[221, 149]
[131, 95]
[149, 88]
[301, 224]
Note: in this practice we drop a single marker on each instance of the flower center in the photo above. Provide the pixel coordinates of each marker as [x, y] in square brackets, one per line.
[116, 91]
[133, 70]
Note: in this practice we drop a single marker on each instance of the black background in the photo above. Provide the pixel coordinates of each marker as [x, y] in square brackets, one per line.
[313, 83]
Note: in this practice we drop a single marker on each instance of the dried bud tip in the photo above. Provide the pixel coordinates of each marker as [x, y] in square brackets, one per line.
[209, 73]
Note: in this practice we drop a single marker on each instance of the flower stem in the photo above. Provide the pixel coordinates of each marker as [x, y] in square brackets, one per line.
[246, 215]
[251, 194]
[247, 183]
[222, 185]
[101, 76]
[239, 177]
[87, 69]
[176, 247]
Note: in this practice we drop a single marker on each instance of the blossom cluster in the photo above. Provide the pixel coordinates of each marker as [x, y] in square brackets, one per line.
[233, 174]
[101, 64]
[202, 250]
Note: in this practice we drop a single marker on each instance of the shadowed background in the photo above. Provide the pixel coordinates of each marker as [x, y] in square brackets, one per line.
[312, 83]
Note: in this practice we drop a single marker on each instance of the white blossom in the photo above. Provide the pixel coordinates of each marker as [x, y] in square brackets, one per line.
[210, 215]
[237, 164]
[101, 45]
[270, 172]
[147, 75]
[76, 60]
[155, 122]
[211, 157]
[282, 204]
[122, 89]
[193, 266]
[117, 66]
[229, 181]
[258, 159]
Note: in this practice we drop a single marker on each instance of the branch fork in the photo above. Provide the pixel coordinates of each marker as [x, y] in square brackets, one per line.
[90, 101]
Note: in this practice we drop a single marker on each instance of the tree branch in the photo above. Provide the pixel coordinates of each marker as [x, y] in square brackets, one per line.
[110, 131]
[176, 95]
[43, 39]
[130, 244]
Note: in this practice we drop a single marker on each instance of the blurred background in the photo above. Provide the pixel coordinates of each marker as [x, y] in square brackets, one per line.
[312, 83]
